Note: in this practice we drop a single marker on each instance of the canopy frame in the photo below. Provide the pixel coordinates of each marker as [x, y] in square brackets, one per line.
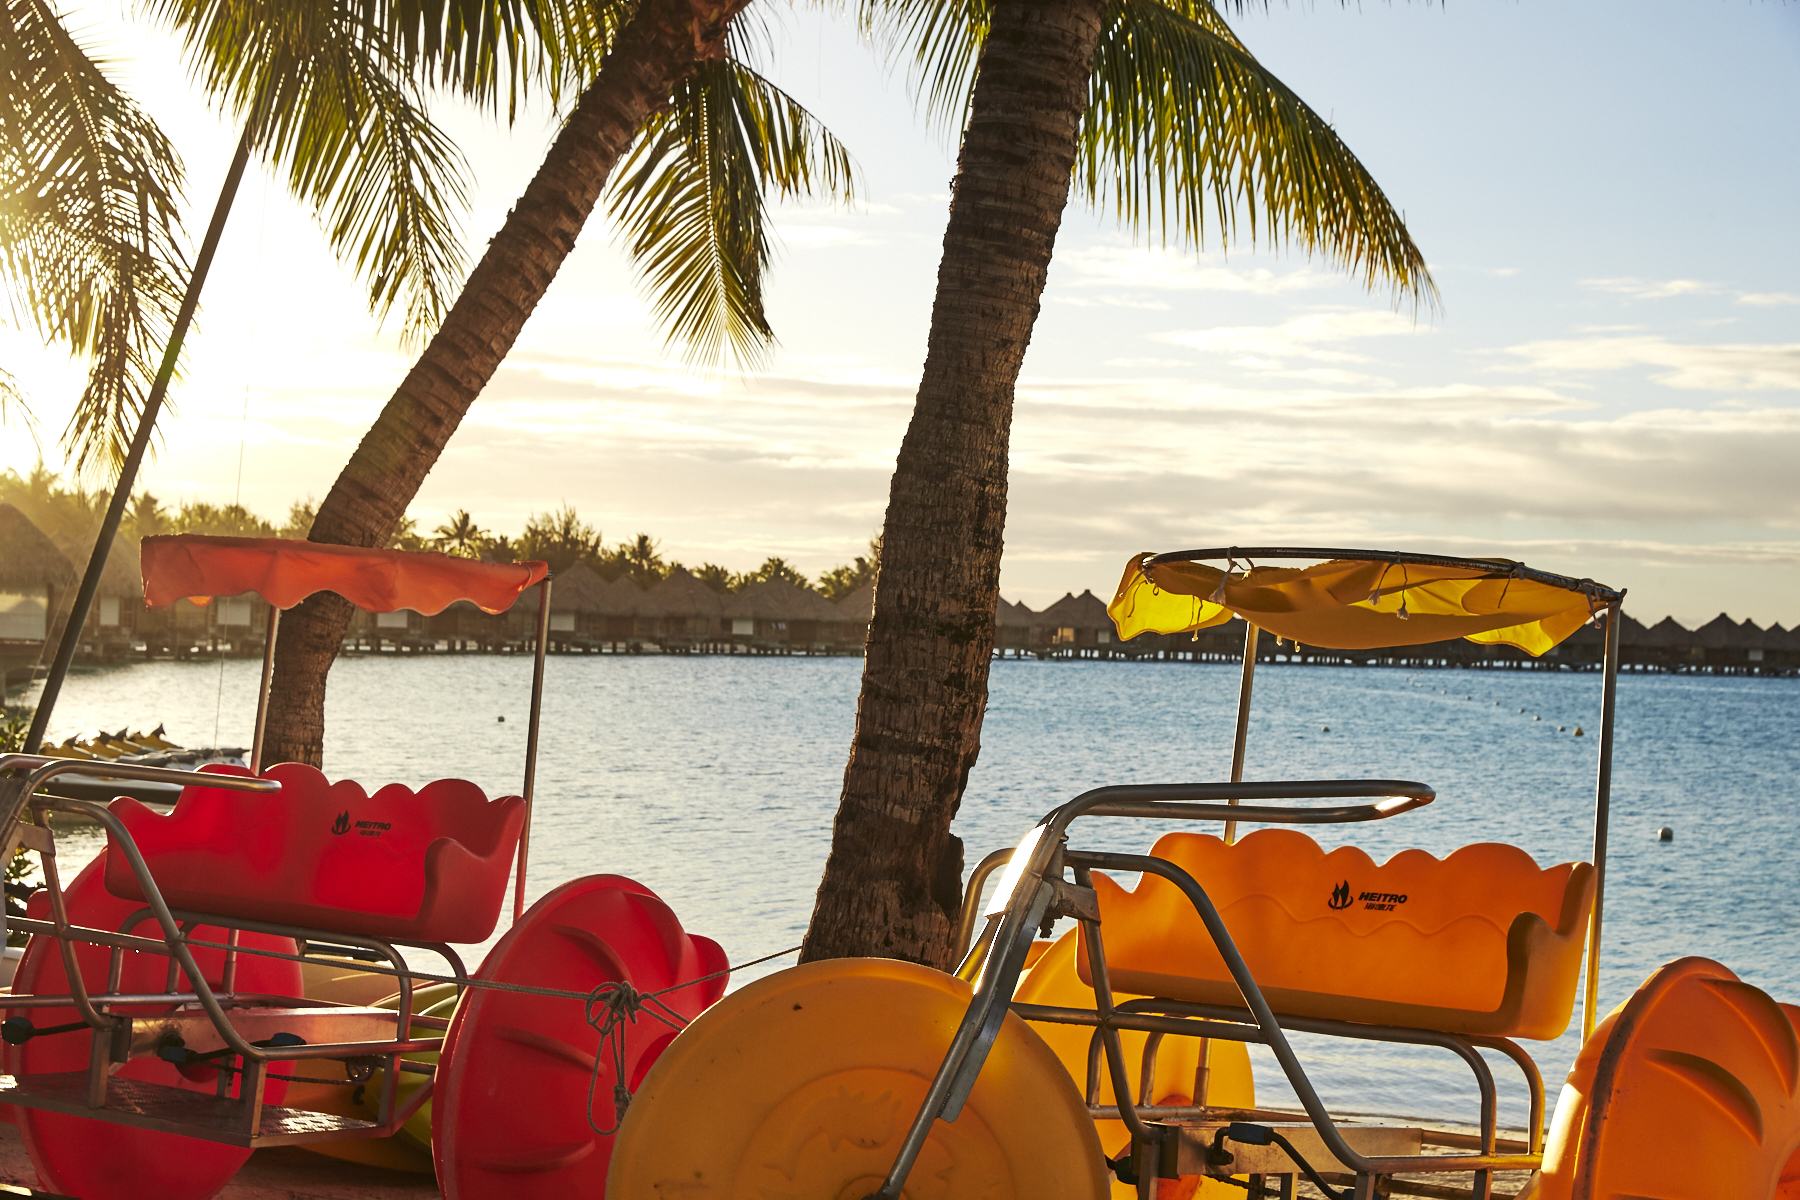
[1609, 607]
[534, 722]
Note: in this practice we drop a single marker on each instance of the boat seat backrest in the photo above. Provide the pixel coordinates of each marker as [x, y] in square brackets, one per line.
[1481, 941]
[427, 865]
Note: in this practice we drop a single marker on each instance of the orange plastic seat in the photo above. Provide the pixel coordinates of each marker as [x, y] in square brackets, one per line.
[1481, 942]
[427, 866]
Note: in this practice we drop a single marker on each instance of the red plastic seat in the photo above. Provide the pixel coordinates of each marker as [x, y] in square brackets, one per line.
[426, 866]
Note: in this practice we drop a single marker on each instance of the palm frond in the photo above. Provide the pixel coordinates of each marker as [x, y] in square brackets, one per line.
[331, 103]
[89, 223]
[486, 49]
[691, 198]
[943, 40]
[14, 408]
[1182, 119]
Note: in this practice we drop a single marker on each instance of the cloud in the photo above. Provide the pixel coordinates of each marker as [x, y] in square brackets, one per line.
[1639, 289]
[1309, 336]
[1767, 298]
[1160, 270]
[1111, 302]
[818, 237]
[1722, 367]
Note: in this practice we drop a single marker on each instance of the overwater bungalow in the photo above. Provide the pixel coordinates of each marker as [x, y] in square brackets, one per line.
[685, 612]
[34, 579]
[1078, 625]
[117, 620]
[774, 616]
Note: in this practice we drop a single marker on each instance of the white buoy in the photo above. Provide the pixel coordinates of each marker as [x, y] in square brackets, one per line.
[1665, 834]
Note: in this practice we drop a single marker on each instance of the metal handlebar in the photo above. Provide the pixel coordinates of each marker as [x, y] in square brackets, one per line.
[46, 768]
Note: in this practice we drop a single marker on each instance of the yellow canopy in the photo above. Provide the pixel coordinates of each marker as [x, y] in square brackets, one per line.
[1356, 604]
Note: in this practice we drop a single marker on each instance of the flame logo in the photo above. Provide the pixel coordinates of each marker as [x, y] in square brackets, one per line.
[1340, 895]
[342, 824]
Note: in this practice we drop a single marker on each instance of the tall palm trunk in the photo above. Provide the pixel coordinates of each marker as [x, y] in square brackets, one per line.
[893, 879]
[658, 48]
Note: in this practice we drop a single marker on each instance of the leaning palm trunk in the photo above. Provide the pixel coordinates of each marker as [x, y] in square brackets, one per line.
[894, 876]
[660, 46]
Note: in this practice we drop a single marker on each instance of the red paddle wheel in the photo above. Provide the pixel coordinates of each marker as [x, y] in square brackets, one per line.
[72, 1154]
[510, 1111]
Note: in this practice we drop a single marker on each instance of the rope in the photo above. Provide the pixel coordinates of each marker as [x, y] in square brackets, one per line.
[611, 1006]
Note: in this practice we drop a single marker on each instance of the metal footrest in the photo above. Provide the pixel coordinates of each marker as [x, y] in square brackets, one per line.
[176, 1110]
[1374, 1141]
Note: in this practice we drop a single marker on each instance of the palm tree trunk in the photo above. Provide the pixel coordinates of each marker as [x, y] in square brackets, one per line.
[656, 50]
[893, 879]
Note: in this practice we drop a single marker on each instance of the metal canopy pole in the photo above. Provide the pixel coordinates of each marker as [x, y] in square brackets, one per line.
[1239, 744]
[140, 444]
[1241, 740]
[262, 691]
[1602, 807]
[531, 741]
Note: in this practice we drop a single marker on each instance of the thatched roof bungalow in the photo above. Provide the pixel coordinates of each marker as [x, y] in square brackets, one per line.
[681, 611]
[1077, 621]
[118, 610]
[855, 611]
[1016, 627]
[33, 573]
[774, 612]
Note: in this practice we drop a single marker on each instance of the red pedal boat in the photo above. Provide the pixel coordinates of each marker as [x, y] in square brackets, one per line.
[158, 1017]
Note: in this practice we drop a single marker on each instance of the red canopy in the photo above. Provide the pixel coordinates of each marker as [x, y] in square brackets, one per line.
[194, 567]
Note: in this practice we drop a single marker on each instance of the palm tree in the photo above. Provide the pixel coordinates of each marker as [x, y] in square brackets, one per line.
[459, 535]
[90, 194]
[715, 138]
[320, 90]
[1152, 108]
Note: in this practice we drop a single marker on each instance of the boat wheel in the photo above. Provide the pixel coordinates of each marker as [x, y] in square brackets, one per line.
[509, 1113]
[1053, 981]
[1690, 1090]
[99, 1161]
[805, 1083]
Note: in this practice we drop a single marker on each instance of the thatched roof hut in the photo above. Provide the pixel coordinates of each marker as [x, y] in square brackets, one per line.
[1722, 633]
[30, 562]
[682, 597]
[620, 598]
[122, 576]
[778, 600]
[578, 589]
[1077, 620]
[858, 606]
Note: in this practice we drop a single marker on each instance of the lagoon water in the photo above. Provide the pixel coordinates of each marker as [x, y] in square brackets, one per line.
[714, 781]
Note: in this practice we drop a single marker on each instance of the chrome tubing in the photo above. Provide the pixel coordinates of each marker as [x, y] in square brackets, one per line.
[1272, 1032]
[1609, 702]
[531, 742]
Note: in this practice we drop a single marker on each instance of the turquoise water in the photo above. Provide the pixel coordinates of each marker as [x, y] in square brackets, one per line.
[714, 781]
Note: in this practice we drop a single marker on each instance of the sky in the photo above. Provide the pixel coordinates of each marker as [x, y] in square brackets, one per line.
[1605, 191]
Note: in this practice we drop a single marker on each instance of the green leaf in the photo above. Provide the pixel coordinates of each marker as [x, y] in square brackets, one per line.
[691, 199]
[329, 100]
[1182, 119]
[1182, 122]
[89, 223]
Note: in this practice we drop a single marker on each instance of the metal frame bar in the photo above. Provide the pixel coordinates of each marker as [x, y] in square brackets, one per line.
[1493, 568]
[262, 690]
[1609, 700]
[1241, 737]
[1010, 930]
[531, 742]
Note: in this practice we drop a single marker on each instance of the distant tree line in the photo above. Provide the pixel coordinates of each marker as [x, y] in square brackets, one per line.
[71, 515]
